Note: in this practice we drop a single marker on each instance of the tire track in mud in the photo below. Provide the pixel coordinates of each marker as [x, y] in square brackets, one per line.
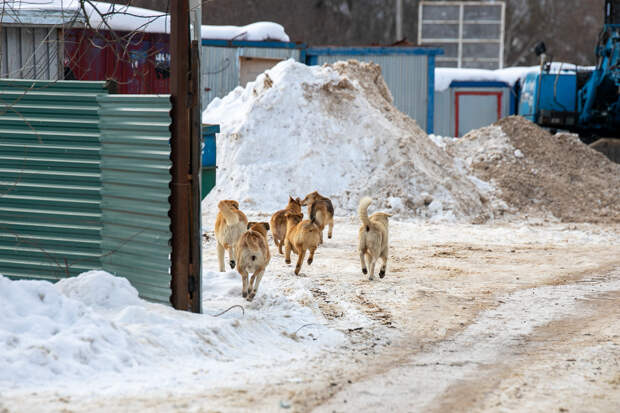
[490, 344]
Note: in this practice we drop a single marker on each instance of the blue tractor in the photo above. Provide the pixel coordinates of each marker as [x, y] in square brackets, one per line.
[584, 101]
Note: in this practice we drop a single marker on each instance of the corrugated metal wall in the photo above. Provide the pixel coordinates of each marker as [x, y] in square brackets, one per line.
[220, 67]
[135, 173]
[405, 75]
[30, 53]
[50, 215]
[445, 106]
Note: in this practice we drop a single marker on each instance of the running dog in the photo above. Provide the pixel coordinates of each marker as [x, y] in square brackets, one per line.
[301, 235]
[321, 211]
[278, 222]
[230, 224]
[252, 255]
[373, 238]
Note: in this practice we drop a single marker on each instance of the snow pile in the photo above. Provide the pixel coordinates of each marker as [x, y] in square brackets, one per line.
[334, 129]
[107, 16]
[93, 328]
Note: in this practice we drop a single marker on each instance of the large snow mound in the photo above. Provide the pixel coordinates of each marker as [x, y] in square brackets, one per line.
[332, 128]
[94, 327]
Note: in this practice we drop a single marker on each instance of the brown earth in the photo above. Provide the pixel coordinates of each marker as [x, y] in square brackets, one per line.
[555, 174]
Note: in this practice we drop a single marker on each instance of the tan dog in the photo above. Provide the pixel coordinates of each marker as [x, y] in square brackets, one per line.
[301, 235]
[278, 222]
[230, 223]
[252, 254]
[373, 238]
[321, 211]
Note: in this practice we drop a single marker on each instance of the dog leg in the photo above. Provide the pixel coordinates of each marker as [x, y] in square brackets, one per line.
[300, 260]
[384, 266]
[231, 255]
[220, 256]
[373, 261]
[251, 287]
[244, 281]
[363, 262]
[259, 276]
[287, 249]
[321, 235]
[279, 244]
[331, 228]
[311, 257]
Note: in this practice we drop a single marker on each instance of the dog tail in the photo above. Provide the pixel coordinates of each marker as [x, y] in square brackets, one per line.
[362, 211]
[229, 215]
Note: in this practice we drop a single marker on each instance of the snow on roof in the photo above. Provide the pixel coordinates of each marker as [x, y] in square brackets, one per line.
[444, 76]
[106, 16]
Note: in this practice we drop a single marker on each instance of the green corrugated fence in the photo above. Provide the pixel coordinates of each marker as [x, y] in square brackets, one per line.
[50, 213]
[135, 171]
[84, 183]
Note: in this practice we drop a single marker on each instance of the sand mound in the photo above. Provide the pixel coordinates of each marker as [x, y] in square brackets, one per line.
[334, 129]
[539, 173]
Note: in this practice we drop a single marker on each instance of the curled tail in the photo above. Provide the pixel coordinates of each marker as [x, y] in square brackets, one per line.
[229, 215]
[362, 211]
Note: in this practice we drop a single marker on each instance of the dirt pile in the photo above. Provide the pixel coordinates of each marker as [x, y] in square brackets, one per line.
[537, 173]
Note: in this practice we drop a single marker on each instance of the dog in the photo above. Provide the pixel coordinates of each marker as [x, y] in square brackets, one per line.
[301, 235]
[278, 222]
[373, 238]
[252, 255]
[230, 224]
[321, 211]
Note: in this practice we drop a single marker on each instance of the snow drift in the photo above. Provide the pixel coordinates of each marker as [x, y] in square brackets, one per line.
[91, 328]
[334, 129]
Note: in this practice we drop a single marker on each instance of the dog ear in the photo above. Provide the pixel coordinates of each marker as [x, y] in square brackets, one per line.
[266, 225]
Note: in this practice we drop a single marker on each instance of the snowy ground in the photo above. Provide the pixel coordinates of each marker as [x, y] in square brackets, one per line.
[469, 318]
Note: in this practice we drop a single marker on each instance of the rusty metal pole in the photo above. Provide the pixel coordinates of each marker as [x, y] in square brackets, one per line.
[180, 146]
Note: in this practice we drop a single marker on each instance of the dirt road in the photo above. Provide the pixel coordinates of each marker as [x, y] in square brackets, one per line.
[469, 318]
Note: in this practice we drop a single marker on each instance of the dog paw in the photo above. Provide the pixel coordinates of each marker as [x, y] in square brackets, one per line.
[364, 271]
[309, 261]
[381, 273]
[244, 294]
[329, 236]
[232, 264]
[297, 269]
[250, 297]
[287, 261]
[371, 278]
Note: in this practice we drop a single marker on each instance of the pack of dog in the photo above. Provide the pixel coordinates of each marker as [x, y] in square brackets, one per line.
[248, 247]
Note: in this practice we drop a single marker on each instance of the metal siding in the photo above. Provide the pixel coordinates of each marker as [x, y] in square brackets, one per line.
[220, 67]
[443, 113]
[135, 173]
[50, 218]
[29, 53]
[405, 75]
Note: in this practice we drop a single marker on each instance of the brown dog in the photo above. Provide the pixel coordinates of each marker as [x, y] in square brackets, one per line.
[230, 223]
[301, 235]
[321, 211]
[278, 222]
[252, 254]
[373, 238]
